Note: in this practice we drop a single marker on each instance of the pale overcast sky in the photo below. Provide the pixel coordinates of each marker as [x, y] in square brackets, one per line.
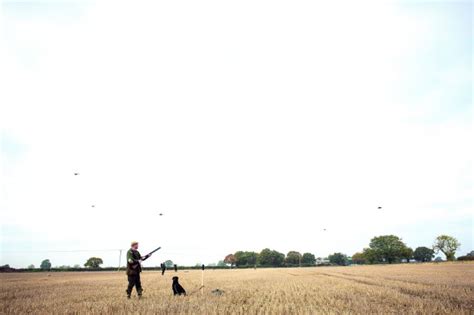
[249, 124]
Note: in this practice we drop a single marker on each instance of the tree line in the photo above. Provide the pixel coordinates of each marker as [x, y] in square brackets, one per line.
[382, 249]
[269, 258]
[91, 263]
[391, 249]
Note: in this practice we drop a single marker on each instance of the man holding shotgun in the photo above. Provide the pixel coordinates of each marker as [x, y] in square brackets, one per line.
[134, 267]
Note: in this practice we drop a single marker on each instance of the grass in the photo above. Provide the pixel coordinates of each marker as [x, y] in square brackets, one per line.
[446, 288]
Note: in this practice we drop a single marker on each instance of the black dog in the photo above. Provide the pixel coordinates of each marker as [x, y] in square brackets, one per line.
[177, 288]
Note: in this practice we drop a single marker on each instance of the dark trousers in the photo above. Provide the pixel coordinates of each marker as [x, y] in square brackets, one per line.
[134, 281]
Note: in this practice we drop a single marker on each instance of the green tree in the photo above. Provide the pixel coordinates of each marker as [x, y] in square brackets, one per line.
[293, 258]
[221, 263]
[169, 264]
[338, 259]
[447, 245]
[77, 266]
[45, 265]
[252, 258]
[423, 254]
[268, 257]
[308, 259]
[465, 258]
[388, 248]
[407, 254]
[93, 262]
[31, 266]
[371, 256]
[359, 259]
[230, 260]
[245, 258]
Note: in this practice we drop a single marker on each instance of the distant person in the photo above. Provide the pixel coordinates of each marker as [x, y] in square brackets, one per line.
[134, 267]
[163, 269]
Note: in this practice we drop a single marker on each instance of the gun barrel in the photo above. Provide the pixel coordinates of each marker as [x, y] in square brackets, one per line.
[149, 254]
[154, 250]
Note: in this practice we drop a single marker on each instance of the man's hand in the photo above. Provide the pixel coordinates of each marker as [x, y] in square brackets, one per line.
[146, 256]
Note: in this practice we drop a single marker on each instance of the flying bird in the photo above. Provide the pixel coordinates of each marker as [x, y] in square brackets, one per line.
[379, 208]
[161, 214]
[93, 206]
[75, 174]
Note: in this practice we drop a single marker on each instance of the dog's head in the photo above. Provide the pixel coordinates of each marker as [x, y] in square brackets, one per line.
[175, 279]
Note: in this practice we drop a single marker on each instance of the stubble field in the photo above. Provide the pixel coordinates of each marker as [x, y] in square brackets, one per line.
[417, 288]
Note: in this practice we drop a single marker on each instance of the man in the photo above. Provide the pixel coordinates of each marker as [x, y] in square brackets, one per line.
[134, 260]
[163, 268]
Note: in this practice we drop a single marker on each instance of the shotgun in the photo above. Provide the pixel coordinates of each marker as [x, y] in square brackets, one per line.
[143, 258]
